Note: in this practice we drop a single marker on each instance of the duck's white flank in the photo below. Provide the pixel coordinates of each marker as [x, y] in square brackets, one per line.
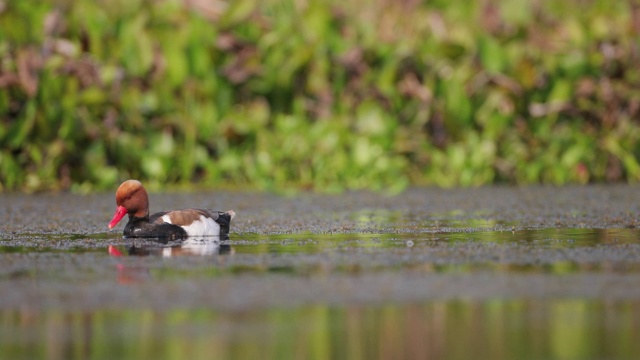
[204, 226]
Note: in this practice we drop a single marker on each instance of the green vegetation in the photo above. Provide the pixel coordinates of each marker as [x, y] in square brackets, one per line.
[317, 94]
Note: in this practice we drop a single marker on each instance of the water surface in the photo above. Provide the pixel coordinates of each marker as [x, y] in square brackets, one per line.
[494, 273]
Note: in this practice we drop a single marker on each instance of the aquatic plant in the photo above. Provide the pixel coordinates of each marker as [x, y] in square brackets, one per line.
[323, 95]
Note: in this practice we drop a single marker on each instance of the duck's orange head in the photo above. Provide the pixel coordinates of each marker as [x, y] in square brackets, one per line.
[132, 199]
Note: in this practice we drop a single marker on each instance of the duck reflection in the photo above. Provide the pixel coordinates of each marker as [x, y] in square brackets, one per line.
[192, 246]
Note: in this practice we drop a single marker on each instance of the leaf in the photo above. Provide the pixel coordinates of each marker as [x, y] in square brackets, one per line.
[238, 11]
[561, 91]
[491, 54]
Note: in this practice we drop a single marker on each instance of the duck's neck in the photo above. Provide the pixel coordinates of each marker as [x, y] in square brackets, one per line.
[139, 215]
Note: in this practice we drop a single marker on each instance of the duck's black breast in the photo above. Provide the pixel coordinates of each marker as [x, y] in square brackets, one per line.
[147, 228]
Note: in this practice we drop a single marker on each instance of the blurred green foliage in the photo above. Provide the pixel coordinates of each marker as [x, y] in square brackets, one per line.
[316, 94]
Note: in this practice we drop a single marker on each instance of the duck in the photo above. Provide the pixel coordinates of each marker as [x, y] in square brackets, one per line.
[132, 199]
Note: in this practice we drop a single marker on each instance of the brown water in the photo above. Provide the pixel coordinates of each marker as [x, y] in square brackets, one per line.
[359, 276]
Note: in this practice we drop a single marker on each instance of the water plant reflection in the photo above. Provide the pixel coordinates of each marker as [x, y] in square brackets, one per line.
[492, 329]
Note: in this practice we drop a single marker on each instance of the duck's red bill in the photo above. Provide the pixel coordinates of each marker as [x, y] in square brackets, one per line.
[119, 214]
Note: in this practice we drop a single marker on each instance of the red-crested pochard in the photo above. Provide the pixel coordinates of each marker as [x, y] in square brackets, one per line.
[132, 199]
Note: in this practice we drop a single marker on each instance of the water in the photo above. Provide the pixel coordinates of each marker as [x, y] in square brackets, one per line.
[498, 294]
[497, 329]
[356, 276]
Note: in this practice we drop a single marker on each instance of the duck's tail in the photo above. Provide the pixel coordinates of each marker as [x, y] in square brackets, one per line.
[224, 220]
